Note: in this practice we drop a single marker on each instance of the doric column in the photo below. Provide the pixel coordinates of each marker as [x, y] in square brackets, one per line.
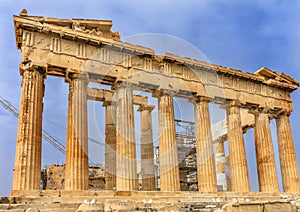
[288, 161]
[110, 144]
[266, 167]
[27, 170]
[76, 177]
[168, 155]
[147, 148]
[207, 181]
[236, 147]
[126, 167]
[220, 164]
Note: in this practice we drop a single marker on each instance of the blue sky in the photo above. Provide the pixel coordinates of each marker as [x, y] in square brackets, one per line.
[245, 35]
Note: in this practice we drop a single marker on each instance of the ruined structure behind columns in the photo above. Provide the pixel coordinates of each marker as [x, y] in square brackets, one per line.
[266, 167]
[126, 167]
[288, 161]
[110, 144]
[76, 177]
[207, 181]
[147, 148]
[168, 156]
[27, 170]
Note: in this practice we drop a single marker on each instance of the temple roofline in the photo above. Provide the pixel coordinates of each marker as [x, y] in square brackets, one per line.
[90, 37]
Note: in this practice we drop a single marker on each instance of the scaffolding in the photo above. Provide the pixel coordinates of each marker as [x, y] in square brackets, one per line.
[186, 147]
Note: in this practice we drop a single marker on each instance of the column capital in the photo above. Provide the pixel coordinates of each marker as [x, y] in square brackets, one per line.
[233, 103]
[30, 67]
[282, 112]
[81, 76]
[109, 102]
[198, 99]
[230, 103]
[145, 107]
[123, 84]
[71, 75]
[161, 92]
[261, 110]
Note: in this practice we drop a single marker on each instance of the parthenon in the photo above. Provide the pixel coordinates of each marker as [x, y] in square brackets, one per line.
[84, 51]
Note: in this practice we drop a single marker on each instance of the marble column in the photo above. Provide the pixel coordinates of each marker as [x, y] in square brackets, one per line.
[126, 167]
[207, 181]
[168, 154]
[110, 144]
[266, 167]
[287, 154]
[147, 148]
[236, 147]
[220, 165]
[27, 170]
[76, 176]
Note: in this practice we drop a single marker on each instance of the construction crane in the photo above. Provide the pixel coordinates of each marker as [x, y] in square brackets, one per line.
[54, 142]
[12, 109]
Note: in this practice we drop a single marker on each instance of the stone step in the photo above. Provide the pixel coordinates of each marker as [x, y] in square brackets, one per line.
[70, 201]
[132, 205]
[58, 207]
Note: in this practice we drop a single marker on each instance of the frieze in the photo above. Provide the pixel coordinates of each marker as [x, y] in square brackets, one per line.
[116, 62]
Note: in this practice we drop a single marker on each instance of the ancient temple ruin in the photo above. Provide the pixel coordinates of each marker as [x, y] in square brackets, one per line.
[83, 51]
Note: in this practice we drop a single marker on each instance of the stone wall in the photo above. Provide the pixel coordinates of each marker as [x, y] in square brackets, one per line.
[54, 178]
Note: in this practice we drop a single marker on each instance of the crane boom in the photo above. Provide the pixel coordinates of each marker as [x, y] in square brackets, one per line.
[13, 110]
[54, 142]
[9, 106]
[46, 136]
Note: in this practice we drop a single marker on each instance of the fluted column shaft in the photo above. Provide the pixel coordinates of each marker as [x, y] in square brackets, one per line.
[76, 177]
[110, 144]
[168, 155]
[207, 181]
[126, 168]
[220, 164]
[266, 167]
[27, 170]
[237, 152]
[147, 149]
[287, 154]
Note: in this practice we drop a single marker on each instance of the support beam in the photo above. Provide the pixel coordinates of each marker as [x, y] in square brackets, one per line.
[126, 167]
[101, 95]
[236, 147]
[147, 148]
[76, 177]
[266, 167]
[288, 161]
[207, 181]
[27, 170]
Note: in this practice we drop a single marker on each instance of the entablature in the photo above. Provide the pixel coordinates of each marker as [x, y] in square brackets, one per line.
[63, 51]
